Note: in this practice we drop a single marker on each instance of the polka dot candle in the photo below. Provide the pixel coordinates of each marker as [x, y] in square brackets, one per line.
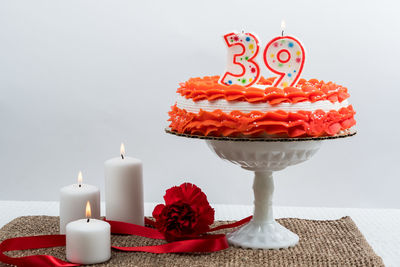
[241, 68]
[284, 55]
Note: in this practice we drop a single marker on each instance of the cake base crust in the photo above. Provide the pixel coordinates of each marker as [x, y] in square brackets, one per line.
[343, 134]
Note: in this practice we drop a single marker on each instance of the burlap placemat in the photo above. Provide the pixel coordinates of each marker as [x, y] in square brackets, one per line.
[322, 243]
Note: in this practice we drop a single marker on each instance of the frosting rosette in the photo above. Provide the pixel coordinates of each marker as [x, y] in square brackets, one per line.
[312, 108]
[312, 90]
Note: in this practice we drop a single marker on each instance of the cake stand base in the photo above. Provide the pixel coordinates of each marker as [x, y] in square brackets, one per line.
[263, 235]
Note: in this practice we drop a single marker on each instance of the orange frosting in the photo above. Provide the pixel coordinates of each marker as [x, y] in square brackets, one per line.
[255, 124]
[208, 88]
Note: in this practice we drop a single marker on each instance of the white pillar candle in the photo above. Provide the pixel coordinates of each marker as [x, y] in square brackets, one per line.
[88, 241]
[124, 189]
[73, 199]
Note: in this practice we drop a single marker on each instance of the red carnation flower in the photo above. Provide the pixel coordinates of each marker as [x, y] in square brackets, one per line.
[186, 213]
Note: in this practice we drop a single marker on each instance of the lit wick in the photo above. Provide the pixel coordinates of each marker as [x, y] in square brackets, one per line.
[283, 26]
[122, 150]
[88, 211]
[80, 179]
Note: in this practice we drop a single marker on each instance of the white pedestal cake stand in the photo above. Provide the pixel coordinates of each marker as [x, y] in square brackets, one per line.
[263, 157]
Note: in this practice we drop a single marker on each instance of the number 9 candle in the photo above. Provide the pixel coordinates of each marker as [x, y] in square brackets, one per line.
[284, 55]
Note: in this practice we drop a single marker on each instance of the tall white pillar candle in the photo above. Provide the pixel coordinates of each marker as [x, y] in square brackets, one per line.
[88, 241]
[124, 189]
[73, 199]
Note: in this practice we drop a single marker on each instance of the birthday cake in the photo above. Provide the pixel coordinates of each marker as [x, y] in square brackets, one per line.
[248, 105]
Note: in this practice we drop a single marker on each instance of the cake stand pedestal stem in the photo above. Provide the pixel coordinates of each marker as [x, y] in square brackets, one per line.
[263, 231]
[263, 187]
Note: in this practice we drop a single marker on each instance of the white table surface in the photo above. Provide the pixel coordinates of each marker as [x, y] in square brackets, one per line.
[381, 227]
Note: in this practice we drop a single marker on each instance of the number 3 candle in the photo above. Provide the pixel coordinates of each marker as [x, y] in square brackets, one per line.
[242, 51]
[284, 55]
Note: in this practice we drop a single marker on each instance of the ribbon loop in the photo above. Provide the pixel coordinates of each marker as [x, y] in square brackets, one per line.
[33, 242]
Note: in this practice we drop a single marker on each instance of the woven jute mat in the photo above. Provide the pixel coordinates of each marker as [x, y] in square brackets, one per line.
[322, 243]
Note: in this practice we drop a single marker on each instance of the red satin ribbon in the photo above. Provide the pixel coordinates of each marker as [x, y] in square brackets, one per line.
[134, 229]
[224, 226]
[209, 243]
[33, 242]
[231, 225]
[206, 243]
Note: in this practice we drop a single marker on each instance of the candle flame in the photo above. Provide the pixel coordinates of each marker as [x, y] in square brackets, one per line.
[122, 150]
[283, 25]
[80, 178]
[88, 210]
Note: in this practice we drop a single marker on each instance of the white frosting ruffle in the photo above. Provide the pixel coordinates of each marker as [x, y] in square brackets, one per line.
[227, 106]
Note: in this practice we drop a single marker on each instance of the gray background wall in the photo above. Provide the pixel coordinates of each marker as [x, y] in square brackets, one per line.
[79, 77]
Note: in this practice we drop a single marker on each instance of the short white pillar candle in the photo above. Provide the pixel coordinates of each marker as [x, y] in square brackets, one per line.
[73, 199]
[124, 189]
[88, 241]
